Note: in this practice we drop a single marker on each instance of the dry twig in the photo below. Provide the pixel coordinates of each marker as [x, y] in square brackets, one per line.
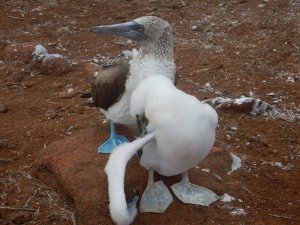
[18, 208]
[279, 216]
[14, 17]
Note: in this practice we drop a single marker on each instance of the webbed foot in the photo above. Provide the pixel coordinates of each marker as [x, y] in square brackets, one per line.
[156, 198]
[113, 141]
[193, 194]
[110, 144]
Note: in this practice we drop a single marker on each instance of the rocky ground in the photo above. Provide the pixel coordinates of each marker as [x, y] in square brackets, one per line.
[50, 171]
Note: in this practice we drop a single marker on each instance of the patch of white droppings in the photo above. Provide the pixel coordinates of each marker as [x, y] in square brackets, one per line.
[236, 163]
[238, 212]
[227, 198]
[51, 56]
[207, 170]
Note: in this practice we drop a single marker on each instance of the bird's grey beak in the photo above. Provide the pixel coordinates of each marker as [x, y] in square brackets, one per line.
[132, 30]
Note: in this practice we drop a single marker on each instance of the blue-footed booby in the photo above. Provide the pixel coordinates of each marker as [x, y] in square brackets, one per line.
[179, 131]
[115, 83]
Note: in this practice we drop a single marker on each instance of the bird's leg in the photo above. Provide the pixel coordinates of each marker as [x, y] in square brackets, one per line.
[193, 194]
[113, 141]
[157, 197]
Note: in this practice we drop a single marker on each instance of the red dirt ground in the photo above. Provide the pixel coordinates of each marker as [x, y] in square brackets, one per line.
[50, 171]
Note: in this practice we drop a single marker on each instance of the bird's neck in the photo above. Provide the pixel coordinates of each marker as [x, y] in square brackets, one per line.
[161, 49]
[154, 58]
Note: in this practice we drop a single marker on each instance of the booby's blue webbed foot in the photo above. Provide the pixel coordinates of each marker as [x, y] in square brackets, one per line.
[193, 194]
[113, 141]
[156, 198]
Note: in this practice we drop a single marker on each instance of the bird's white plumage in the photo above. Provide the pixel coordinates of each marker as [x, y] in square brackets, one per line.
[182, 132]
[185, 127]
[115, 170]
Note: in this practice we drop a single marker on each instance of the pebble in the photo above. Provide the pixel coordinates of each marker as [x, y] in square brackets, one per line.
[233, 128]
[56, 66]
[196, 28]
[207, 170]
[70, 93]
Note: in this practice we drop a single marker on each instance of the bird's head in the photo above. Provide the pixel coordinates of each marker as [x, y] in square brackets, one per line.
[145, 30]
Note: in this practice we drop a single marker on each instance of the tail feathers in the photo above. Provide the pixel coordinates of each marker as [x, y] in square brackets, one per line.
[115, 171]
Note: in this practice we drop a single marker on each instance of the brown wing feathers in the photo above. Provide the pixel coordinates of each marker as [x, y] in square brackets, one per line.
[109, 85]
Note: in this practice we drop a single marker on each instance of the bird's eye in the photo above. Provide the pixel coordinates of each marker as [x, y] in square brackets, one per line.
[141, 28]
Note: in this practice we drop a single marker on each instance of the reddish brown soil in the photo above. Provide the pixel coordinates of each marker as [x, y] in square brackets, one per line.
[238, 46]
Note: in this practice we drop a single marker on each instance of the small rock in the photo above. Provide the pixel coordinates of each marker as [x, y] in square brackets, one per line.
[271, 94]
[196, 28]
[275, 151]
[95, 60]
[205, 170]
[55, 66]
[278, 164]
[233, 128]
[37, 9]
[208, 85]
[70, 93]
[3, 108]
